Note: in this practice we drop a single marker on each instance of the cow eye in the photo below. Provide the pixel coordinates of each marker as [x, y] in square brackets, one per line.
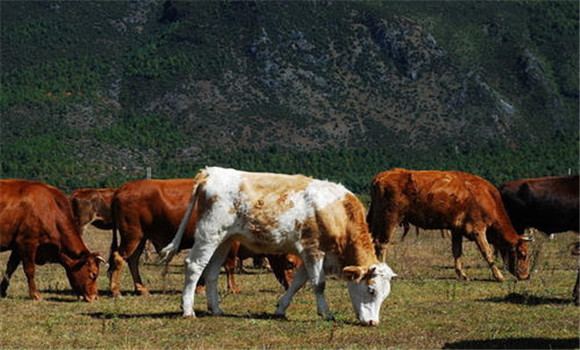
[371, 291]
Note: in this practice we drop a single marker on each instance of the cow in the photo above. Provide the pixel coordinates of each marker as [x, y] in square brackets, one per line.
[151, 210]
[465, 204]
[320, 221]
[548, 204]
[37, 225]
[92, 207]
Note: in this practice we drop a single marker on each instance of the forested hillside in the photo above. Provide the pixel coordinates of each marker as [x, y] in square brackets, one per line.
[94, 92]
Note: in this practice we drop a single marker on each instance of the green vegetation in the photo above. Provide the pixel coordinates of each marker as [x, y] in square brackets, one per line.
[93, 93]
[427, 308]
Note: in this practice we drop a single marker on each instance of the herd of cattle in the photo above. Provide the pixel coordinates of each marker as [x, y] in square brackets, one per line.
[306, 228]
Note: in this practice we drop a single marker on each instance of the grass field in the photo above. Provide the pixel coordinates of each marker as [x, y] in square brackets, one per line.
[427, 308]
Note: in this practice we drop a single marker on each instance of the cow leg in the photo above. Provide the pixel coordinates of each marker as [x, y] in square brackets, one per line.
[318, 281]
[381, 247]
[133, 263]
[212, 272]
[196, 261]
[298, 281]
[457, 249]
[13, 262]
[118, 258]
[406, 229]
[485, 249]
[29, 268]
[116, 263]
[230, 266]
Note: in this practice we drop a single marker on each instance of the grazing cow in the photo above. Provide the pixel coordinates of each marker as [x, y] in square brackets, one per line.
[284, 266]
[319, 221]
[548, 204]
[152, 210]
[37, 225]
[463, 203]
[92, 207]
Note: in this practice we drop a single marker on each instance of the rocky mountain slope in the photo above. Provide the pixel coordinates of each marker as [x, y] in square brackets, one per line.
[95, 92]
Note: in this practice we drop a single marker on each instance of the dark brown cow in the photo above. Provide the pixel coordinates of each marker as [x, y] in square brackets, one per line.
[37, 225]
[465, 204]
[548, 204]
[92, 207]
[152, 210]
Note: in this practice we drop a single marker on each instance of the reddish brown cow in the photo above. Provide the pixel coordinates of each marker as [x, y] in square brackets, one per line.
[92, 207]
[152, 210]
[548, 204]
[465, 204]
[37, 225]
[284, 266]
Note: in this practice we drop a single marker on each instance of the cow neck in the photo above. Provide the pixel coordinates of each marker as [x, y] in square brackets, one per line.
[508, 233]
[359, 251]
[71, 243]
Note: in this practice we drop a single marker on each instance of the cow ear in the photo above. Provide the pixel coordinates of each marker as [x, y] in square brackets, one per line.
[354, 273]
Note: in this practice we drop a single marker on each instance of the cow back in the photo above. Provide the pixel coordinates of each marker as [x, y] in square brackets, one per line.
[153, 209]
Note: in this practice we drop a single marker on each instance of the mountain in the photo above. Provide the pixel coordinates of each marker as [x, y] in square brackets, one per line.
[93, 93]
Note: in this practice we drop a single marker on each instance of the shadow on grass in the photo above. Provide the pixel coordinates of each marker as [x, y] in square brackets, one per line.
[199, 314]
[203, 314]
[524, 299]
[109, 316]
[515, 343]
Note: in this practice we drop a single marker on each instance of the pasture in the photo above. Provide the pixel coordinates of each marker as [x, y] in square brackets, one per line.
[427, 307]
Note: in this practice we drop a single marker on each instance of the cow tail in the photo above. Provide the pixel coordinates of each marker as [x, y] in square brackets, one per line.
[167, 253]
[114, 241]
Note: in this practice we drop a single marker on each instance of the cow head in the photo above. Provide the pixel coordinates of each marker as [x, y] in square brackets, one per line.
[368, 288]
[82, 274]
[517, 258]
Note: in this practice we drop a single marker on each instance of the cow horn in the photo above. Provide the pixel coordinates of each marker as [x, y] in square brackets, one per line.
[101, 259]
[526, 239]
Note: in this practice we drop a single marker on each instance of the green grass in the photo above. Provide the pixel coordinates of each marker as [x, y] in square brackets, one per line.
[427, 308]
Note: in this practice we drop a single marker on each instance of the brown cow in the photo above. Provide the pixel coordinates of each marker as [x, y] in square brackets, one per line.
[465, 204]
[548, 204]
[92, 207]
[152, 210]
[37, 225]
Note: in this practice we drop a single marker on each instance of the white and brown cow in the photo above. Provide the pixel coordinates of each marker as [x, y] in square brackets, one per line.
[320, 221]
